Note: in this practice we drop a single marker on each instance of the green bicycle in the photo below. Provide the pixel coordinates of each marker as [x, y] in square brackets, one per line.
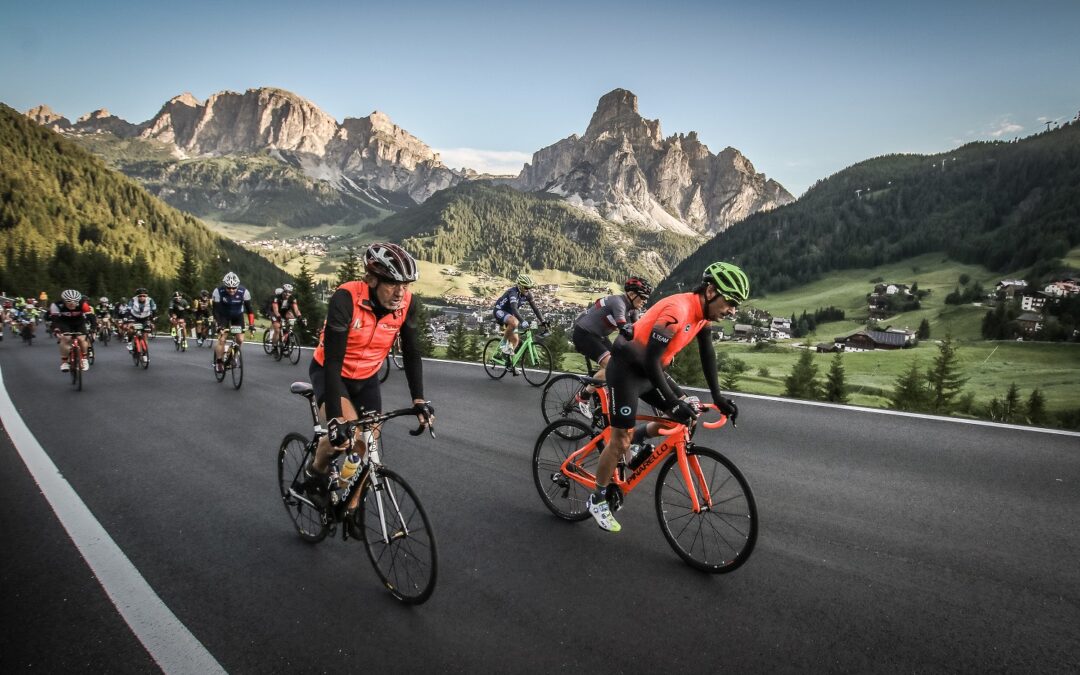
[531, 357]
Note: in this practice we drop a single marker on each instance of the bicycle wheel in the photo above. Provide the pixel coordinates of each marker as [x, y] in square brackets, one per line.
[292, 455]
[105, 337]
[76, 373]
[237, 368]
[719, 538]
[536, 365]
[494, 360]
[559, 402]
[218, 375]
[395, 354]
[292, 348]
[563, 496]
[268, 341]
[176, 341]
[398, 537]
[145, 356]
[90, 355]
[384, 370]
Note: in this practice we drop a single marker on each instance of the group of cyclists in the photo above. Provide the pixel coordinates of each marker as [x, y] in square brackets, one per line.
[20, 316]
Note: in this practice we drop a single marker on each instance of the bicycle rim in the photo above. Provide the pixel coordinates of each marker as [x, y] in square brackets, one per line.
[292, 455]
[294, 349]
[536, 365]
[384, 370]
[720, 538]
[494, 360]
[268, 341]
[562, 495]
[558, 401]
[237, 369]
[398, 537]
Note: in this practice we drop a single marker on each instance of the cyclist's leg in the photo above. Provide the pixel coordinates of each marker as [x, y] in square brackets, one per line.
[595, 347]
[512, 338]
[360, 395]
[65, 348]
[219, 346]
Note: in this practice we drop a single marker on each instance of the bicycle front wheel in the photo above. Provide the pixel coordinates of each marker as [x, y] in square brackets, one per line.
[268, 341]
[398, 537]
[292, 348]
[395, 354]
[292, 455]
[494, 360]
[237, 368]
[145, 356]
[720, 537]
[564, 496]
[536, 365]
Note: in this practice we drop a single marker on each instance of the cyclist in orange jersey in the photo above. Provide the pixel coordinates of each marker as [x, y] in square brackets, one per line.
[636, 370]
[362, 320]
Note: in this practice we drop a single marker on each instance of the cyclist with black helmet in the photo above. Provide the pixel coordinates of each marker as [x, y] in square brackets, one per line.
[178, 313]
[200, 312]
[636, 370]
[362, 320]
[104, 311]
[282, 306]
[231, 303]
[506, 311]
[593, 327]
[71, 315]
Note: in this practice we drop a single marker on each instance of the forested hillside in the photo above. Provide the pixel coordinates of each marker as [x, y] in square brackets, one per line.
[1005, 205]
[67, 221]
[498, 230]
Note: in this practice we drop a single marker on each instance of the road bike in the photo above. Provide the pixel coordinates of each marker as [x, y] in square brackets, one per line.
[532, 357]
[104, 331]
[232, 360]
[561, 396]
[74, 360]
[289, 345]
[27, 331]
[374, 505]
[704, 504]
[179, 335]
[140, 348]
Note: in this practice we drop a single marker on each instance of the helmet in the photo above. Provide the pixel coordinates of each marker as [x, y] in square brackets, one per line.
[103, 300]
[729, 280]
[391, 262]
[71, 295]
[178, 295]
[287, 288]
[525, 281]
[204, 293]
[278, 291]
[141, 291]
[230, 280]
[123, 300]
[638, 285]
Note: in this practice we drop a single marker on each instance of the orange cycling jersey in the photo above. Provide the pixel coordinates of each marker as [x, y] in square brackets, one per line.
[370, 339]
[682, 315]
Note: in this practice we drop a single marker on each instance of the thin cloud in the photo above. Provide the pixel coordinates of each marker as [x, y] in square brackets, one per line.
[499, 162]
[1005, 127]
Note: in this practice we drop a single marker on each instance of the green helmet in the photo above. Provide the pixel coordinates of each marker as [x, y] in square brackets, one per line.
[729, 280]
[525, 281]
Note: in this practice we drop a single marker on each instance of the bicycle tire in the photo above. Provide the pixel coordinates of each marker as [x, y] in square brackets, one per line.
[268, 341]
[76, 370]
[384, 370]
[144, 358]
[237, 368]
[395, 355]
[408, 564]
[716, 540]
[308, 521]
[90, 356]
[563, 496]
[558, 402]
[219, 376]
[293, 348]
[176, 342]
[105, 337]
[494, 360]
[536, 371]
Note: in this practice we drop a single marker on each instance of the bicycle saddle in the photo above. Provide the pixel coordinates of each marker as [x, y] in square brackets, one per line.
[302, 388]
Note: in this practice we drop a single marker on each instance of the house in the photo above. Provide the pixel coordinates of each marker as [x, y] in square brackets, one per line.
[1063, 289]
[1030, 322]
[1033, 302]
[780, 329]
[743, 331]
[828, 347]
[1009, 288]
[868, 340]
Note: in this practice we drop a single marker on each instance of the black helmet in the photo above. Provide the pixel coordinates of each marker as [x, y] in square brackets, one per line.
[390, 262]
[638, 285]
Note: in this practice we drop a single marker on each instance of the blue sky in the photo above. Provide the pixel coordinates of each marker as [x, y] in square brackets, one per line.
[803, 89]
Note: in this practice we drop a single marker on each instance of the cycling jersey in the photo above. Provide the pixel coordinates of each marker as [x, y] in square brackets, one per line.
[230, 309]
[370, 337]
[284, 305]
[141, 311]
[607, 314]
[72, 320]
[179, 308]
[200, 307]
[509, 302]
[682, 315]
[103, 310]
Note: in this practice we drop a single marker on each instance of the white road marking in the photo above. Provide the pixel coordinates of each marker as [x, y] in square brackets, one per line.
[167, 640]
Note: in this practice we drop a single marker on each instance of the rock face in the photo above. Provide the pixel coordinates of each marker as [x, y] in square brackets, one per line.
[624, 170]
[45, 116]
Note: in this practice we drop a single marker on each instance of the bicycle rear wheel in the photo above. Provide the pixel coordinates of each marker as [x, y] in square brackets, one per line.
[237, 368]
[720, 537]
[292, 455]
[564, 496]
[494, 360]
[398, 537]
[268, 341]
[292, 348]
[559, 402]
[384, 370]
[395, 354]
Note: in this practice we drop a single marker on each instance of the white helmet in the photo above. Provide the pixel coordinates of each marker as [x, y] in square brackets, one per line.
[287, 288]
[230, 280]
[71, 295]
[278, 291]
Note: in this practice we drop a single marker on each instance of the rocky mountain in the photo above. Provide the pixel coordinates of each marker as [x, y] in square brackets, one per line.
[624, 170]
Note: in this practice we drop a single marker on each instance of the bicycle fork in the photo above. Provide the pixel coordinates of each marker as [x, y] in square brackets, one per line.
[690, 468]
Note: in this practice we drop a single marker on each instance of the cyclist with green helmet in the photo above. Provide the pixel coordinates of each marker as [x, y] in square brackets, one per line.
[506, 311]
[636, 370]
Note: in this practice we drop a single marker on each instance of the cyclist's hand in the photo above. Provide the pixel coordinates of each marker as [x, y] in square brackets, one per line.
[251, 331]
[727, 406]
[682, 412]
[524, 325]
[425, 412]
[627, 331]
[339, 432]
[695, 403]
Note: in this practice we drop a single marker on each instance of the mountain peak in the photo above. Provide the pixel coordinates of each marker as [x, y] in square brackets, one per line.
[185, 99]
[99, 114]
[617, 113]
[45, 116]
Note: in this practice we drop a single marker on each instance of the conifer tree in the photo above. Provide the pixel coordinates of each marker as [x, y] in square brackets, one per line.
[1036, 408]
[456, 345]
[351, 268]
[558, 344]
[187, 277]
[803, 382]
[835, 387]
[425, 340]
[944, 379]
[310, 307]
[1010, 406]
[909, 391]
[923, 332]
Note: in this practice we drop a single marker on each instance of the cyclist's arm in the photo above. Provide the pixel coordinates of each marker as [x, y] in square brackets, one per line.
[539, 315]
[248, 310]
[654, 354]
[410, 348]
[708, 361]
[89, 316]
[335, 339]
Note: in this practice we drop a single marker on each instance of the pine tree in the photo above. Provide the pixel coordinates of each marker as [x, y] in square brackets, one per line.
[1010, 406]
[909, 391]
[944, 379]
[802, 382]
[474, 346]
[310, 307]
[350, 269]
[425, 341]
[924, 330]
[1036, 408]
[456, 344]
[558, 344]
[835, 387]
[187, 277]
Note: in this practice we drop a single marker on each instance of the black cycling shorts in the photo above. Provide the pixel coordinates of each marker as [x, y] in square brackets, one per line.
[591, 345]
[626, 383]
[364, 394]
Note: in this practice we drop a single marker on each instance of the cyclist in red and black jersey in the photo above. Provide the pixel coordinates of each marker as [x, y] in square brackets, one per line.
[72, 315]
[362, 320]
[636, 369]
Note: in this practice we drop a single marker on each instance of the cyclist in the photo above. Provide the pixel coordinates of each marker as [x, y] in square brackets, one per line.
[282, 306]
[506, 312]
[231, 302]
[200, 309]
[178, 311]
[104, 311]
[71, 316]
[606, 315]
[142, 309]
[636, 369]
[362, 320]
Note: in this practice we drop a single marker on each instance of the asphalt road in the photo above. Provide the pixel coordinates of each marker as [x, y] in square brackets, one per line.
[887, 543]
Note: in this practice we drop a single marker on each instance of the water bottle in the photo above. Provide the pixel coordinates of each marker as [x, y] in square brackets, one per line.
[641, 453]
[348, 469]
